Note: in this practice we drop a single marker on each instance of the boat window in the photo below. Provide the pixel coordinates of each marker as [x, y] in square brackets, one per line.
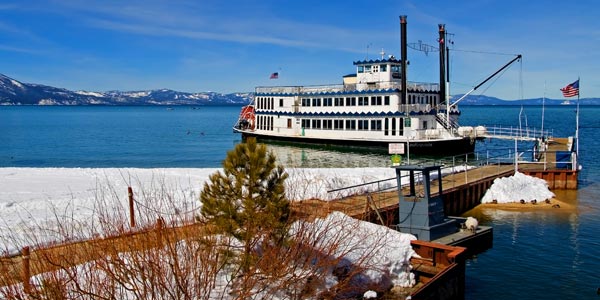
[338, 124]
[376, 100]
[386, 100]
[393, 126]
[305, 123]
[280, 102]
[361, 69]
[367, 68]
[363, 101]
[350, 101]
[316, 102]
[350, 124]
[395, 71]
[327, 124]
[376, 69]
[375, 125]
[385, 132]
[289, 123]
[316, 124]
[383, 68]
[363, 124]
[401, 129]
[327, 101]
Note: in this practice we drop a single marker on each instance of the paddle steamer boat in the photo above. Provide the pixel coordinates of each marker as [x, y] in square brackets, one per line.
[374, 107]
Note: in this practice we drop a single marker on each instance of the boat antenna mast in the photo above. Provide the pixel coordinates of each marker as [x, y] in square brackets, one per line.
[420, 46]
[444, 40]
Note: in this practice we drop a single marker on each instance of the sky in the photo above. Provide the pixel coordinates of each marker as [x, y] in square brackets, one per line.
[232, 46]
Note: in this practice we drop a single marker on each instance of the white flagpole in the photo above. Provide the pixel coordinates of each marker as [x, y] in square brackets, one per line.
[543, 108]
[577, 121]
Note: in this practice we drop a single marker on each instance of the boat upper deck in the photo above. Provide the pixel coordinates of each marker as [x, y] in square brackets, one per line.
[334, 89]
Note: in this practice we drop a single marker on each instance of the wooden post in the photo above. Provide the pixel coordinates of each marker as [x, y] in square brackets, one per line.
[26, 270]
[131, 211]
[160, 225]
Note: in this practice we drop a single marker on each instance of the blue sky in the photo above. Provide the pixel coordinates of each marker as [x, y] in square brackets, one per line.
[233, 46]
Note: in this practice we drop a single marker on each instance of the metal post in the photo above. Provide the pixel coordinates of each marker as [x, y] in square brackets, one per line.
[516, 157]
[408, 151]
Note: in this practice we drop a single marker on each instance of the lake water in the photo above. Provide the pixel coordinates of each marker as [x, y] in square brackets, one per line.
[552, 255]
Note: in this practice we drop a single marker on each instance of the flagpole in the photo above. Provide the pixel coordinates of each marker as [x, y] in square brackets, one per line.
[543, 108]
[577, 122]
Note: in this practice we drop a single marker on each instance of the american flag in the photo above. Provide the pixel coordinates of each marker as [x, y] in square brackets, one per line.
[274, 75]
[571, 90]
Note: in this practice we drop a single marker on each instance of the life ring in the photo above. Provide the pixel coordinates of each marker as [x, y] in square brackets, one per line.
[247, 114]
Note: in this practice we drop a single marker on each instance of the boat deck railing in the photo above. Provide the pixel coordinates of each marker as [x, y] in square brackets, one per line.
[338, 88]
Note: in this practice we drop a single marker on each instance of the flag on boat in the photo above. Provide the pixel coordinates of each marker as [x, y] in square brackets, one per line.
[274, 75]
[571, 90]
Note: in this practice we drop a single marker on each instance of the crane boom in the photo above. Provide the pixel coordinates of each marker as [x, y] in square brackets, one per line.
[519, 56]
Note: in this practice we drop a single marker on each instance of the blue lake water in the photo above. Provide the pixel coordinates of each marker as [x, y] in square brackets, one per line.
[552, 255]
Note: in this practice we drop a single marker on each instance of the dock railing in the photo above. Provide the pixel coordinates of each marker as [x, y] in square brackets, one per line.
[466, 168]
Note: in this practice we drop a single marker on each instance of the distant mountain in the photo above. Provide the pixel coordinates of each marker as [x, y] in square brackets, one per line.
[486, 100]
[13, 92]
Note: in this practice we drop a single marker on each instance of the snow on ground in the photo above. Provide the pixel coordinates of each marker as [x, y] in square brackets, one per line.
[388, 250]
[45, 197]
[516, 188]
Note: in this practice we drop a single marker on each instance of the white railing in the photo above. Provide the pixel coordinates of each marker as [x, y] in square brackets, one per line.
[333, 88]
[511, 133]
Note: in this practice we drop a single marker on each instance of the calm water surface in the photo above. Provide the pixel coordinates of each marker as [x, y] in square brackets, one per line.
[550, 255]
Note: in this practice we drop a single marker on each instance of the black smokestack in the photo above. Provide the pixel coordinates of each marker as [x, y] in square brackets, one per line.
[403, 57]
[442, 48]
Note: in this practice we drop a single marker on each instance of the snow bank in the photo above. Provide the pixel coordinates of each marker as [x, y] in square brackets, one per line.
[516, 188]
[315, 183]
[385, 252]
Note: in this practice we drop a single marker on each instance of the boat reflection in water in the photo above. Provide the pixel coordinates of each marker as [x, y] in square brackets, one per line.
[319, 156]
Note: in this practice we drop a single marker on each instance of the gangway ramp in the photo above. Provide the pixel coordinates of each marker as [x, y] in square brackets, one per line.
[514, 133]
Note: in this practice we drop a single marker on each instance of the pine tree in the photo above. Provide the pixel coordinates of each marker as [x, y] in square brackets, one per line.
[247, 200]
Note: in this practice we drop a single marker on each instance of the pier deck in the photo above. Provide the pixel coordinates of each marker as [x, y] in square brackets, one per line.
[359, 206]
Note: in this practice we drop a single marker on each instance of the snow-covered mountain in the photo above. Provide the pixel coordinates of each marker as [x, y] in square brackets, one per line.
[13, 92]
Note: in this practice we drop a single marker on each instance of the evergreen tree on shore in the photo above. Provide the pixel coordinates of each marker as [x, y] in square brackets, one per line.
[247, 200]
